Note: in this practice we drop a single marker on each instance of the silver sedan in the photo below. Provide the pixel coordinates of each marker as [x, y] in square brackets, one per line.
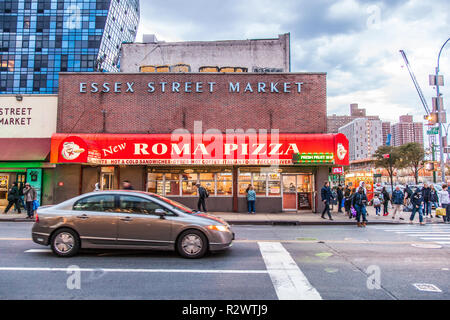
[129, 220]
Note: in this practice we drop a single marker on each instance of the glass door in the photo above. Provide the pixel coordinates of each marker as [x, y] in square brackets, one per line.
[107, 181]
[289, 192]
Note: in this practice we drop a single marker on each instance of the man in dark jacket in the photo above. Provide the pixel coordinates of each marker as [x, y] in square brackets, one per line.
[417, 202]
[359, 202]
[202, 195]
[327, 197]
[347, 201]
[397, 200]
[340, 197]
[13, 198]
[408, 192]
[426, 199]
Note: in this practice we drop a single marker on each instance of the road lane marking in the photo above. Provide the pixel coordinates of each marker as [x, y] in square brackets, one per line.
[288, 280]
[134, 270]
[14, 239]
[37, 250]
[443, 242]
[427, 287]
[436, 238]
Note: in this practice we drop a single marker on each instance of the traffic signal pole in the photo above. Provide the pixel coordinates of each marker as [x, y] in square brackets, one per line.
[433, 158]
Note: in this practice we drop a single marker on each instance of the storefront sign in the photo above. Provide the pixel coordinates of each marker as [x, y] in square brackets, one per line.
[338, 170]
[200, 149]
[32, 116]
[191, 87]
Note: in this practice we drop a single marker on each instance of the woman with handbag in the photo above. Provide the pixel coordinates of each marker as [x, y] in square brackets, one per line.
[30, 195]
[445, 203]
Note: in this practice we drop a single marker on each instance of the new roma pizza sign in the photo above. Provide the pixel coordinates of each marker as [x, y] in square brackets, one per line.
[200, 149]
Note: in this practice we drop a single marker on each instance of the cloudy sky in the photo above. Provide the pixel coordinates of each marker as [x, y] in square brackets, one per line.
[356, 42]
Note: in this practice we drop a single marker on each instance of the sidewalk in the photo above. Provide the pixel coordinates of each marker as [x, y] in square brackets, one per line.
[282, 218]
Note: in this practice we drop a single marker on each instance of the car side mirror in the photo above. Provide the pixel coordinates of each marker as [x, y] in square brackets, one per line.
[160, 212]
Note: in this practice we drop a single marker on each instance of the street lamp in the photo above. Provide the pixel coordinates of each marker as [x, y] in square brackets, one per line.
[438, 107]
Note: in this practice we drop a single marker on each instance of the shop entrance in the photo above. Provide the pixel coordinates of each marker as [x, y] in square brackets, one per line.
[297, 192]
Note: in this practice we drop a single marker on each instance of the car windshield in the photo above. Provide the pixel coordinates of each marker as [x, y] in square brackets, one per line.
[174, 204]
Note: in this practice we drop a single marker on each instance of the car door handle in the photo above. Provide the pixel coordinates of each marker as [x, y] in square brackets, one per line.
[126, 219]
[83, 216]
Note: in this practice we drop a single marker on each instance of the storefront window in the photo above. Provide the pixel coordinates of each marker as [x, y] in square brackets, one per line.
[304, 183]
[274, 184]
[189, 180]
[244, 180]
[207, 181]
[225, 184]
[155, 183]
[172, 184]
[259, 182]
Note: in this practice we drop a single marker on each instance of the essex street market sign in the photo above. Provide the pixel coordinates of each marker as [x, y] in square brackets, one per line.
[191, 87]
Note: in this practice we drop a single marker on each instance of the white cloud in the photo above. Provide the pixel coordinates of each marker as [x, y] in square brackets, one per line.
[356, 42]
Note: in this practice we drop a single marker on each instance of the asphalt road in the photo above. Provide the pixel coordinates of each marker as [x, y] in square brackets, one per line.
[265, 263]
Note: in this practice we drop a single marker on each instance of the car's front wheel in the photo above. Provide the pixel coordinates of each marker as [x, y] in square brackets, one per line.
[192, 244]
[65, 243]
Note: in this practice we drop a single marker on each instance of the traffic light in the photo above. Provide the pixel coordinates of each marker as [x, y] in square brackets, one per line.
[432, 118]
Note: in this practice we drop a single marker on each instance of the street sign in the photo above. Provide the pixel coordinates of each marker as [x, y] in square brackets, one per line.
[432, 80]
[434, 130]
[386, 156]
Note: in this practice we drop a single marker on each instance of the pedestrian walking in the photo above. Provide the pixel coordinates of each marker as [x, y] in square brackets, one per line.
[352, 208]
[347, 200]
[397, 201]
[434, 199]
[333, 198]
[126, 185]
[30, 195]
[386, 200]
[97, 187]
[408, 193]
[202, 195]
[360, 203]
[417, 205]
[445, 202]
[21, 203]
[426, 199]
[327, 198]
[377, 204]
[251, 199]
[340, 197]
[13, 198]
[362, 184]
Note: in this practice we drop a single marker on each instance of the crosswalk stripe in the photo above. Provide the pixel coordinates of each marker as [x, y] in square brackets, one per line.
[428, 233]
[288, 280]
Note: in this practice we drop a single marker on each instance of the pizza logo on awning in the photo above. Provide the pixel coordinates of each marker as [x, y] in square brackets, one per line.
[341, 151]
[71, 150]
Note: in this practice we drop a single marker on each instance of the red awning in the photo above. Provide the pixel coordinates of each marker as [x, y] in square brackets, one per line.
[201, 149]
[24, 149]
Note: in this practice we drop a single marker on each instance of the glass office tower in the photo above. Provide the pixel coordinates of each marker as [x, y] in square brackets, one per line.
[40, 38]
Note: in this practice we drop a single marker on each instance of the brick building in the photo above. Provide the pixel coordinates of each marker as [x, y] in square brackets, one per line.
[166, 132]
[406, 131]
[334, 122]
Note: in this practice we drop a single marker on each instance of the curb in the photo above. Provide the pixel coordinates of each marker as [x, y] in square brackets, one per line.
[308, 223]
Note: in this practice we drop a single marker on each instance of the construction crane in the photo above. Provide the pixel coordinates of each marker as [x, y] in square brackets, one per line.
[416, 84]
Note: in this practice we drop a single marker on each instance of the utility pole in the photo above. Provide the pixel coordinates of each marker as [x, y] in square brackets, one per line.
[440, 111]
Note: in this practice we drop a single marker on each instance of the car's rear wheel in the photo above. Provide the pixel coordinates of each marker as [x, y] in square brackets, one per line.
[65, 242]
[192, 244]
